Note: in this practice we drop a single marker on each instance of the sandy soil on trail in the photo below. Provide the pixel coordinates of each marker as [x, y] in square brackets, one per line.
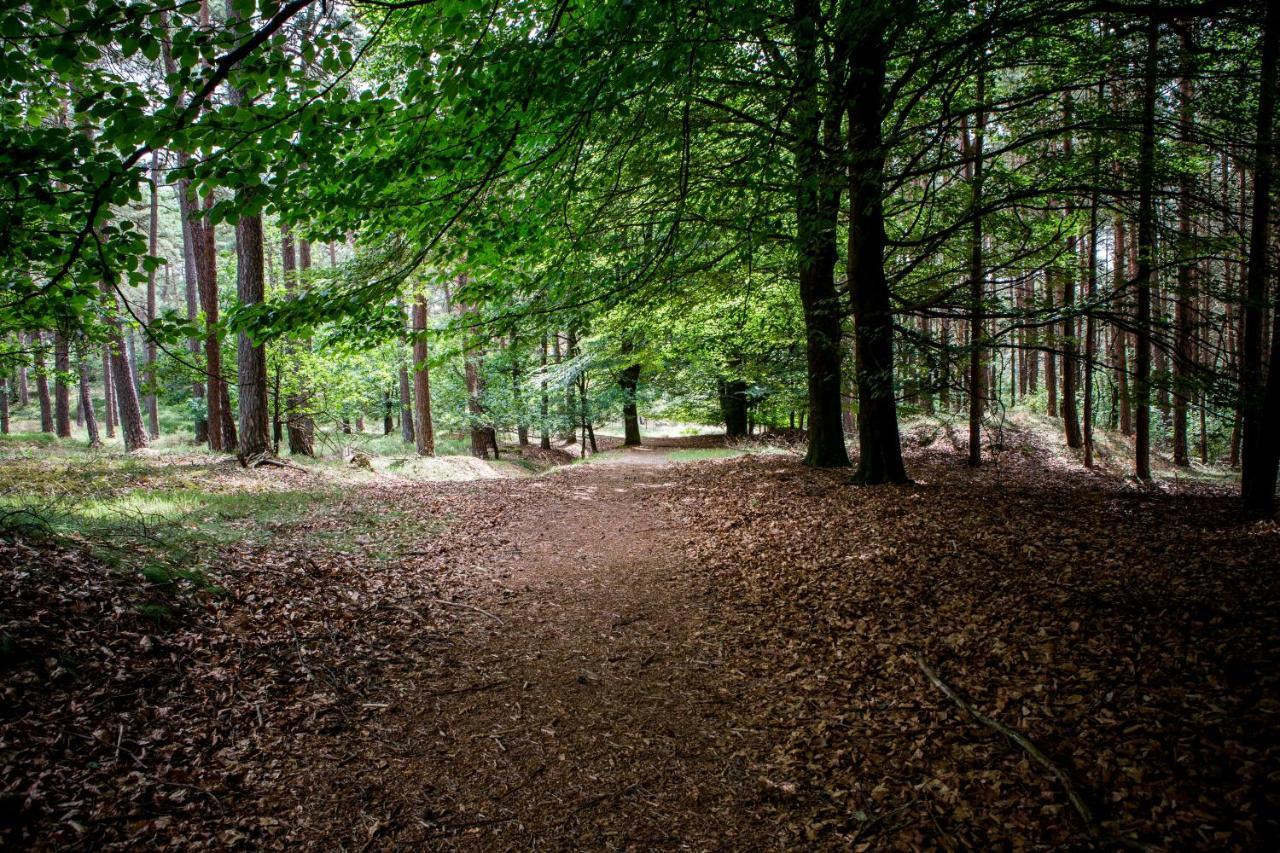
[581, 708]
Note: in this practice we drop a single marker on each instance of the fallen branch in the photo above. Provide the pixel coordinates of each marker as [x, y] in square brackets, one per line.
[1077, 801]
[468, 607]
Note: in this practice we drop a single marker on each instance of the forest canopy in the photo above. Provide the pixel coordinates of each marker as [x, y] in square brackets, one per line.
[826, 216]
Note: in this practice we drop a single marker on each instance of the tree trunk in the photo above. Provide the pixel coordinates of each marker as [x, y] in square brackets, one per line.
[298, 423]
[407, 432]
[4, 405]
[545, 438]
[425, 434]
[86, 401]
[153, 238]
[977, 278]
[61, 390]
[1051, 344]
[124, 381]
[733, 407]
[108, 393]
[879, 445]
[629, 379]
[818, 191]
[570, 344]
[42, 382]
[207, 274]
[251, 357]
[1146, 249]
[1121, 336]
[1260, 446]
[388, 413]
[186, 212]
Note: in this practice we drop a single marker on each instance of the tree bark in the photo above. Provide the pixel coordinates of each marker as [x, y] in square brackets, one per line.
[629, 379]
[1146, 250]
[879, 444]
[61, 390]
[816, 128]
[153, 243]
[977, 278]
[124, 381]
[1260, 445]
[298, 423]
[42, 382]
[424, 432]
[86, 401]
[251, 357]
[545, 438]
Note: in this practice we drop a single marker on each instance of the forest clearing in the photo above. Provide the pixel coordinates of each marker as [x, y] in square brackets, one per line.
[639, 424]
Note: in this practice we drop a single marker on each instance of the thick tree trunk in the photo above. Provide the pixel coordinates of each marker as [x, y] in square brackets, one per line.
[629, 379]
[251, 357]
[42, 382]
[61, 390]
[879, 444]
[733, 407]
[1260, 447]
[424, 432]
[818, 187]
[1146, 251]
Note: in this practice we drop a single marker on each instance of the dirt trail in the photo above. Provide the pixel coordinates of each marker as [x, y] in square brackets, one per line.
[580, 708]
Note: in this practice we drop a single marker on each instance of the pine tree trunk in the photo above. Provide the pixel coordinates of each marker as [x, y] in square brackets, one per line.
[207, 273]
[86, 402]
[124, 382]
[977, 278]
[1146, 250]
[251, 357]
[424, 431]
[545, 430]
[299, 425]
[4, 405]
[61, 390]
[108, 393]
[42, 382]
[153, 238]
[1260, 446]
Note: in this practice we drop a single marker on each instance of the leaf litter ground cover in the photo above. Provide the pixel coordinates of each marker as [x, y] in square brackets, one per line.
[716, 655]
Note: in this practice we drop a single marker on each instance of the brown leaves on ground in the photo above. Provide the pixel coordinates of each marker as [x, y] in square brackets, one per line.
[713, 655]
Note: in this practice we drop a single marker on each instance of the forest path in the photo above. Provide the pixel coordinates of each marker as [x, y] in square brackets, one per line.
[584, 703]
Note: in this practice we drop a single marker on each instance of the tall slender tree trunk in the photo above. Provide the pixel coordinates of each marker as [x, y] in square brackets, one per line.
[298, 423]
[544, 410]
[1260, 447]
[86, 399]
[1051, 342]
[1146, 251]
[1090, 324]
[424, 433]
[517, 394]
[1120, 284]
[570, 404]
[42, 382]
[153, 249]
[202, 230]
[124, 381]
[4, 404]
[251, 357]
[61, 390]
[974, 168]
[108, 393]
